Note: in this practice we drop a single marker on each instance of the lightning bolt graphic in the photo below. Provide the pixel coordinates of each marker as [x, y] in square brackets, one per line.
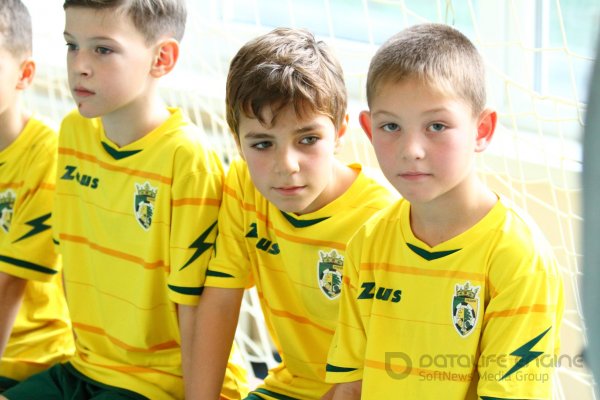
[200, 245]
[526, 354]
[37, 225]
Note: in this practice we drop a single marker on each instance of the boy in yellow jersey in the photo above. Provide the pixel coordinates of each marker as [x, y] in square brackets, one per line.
[35, 331]
[136, 207]
[289, 207]
[452, 293]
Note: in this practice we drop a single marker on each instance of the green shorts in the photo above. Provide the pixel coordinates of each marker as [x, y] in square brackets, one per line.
[6, 383]
[62, 382]
[264, 394]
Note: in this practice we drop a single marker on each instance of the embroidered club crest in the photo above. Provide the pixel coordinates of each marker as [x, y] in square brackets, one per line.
[330, 273]
[143, 204]
[7, 204]
[465, 308]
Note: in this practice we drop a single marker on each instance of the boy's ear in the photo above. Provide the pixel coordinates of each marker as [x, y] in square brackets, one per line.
[343, 127]
[365, 122]
[485, 129]
[26, 74]
[165, 58]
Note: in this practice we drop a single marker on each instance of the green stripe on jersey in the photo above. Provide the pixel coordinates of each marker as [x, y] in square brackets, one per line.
[27, 265]
[194, 291]
[334, 368]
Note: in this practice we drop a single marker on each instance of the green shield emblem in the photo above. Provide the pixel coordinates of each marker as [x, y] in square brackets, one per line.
[7, 204]
[143, 204]
[465, 308]
[329, 269]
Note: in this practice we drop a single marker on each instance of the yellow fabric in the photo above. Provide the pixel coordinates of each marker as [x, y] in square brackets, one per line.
[295, 263]
[135, 226]
[442, 322]
[41, 334]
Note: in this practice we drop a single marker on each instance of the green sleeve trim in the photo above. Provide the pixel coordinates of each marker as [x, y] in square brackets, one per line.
[494, 398]
[27, 265]
[273, 394]
[334, 368]
[191, 291]
[218, 274]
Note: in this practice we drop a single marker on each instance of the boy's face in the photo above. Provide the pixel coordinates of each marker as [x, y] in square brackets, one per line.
[108, 61]
[10, 77]
[425, 141]
[291, 163]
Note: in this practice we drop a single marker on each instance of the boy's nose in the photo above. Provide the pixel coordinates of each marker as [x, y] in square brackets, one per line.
[286, 162]
[412, 147]
[80, 65]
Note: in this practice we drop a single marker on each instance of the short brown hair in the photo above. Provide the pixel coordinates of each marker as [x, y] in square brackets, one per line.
[285, 66]
[15, 28]
[437, 54]
[153, 18]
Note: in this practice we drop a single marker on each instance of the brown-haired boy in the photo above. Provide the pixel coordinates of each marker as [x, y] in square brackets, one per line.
[289, 207]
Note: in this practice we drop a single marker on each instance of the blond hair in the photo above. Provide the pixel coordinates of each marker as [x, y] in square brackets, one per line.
[436, 54]
[15, 28]
[153, 18]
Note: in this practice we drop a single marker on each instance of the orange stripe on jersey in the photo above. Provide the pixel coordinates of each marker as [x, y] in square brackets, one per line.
[32, 192]
[114, 253]
[110, 167]
[228, 190]
[11, 185]
[293, 317]
[534, 308]
[196, 202]
[99, 331]
[473, 276]
[126, 368]
[403, 370]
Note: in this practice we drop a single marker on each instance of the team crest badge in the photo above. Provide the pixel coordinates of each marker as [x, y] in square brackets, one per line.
[330, 273]
[143, 204]
[7, 204]
[465, 308]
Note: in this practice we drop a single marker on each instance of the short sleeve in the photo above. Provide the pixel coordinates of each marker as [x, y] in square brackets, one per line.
[347, 351]
[230, 266]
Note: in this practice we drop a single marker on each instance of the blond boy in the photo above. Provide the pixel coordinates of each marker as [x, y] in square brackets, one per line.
[137, 199]
[452, 292]
[35, 331]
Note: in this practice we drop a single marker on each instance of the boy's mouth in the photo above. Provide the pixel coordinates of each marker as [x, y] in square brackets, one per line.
[82, 92]
[288, 190]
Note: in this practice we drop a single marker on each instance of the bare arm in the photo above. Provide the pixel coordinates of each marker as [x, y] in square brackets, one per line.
[11, 295]
[187, 315]
[346, 391]
[214, 330]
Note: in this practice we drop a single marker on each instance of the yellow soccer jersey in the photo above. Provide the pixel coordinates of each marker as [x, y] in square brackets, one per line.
[296, 264]
[477, 315]
[135, 226]
[41, 334]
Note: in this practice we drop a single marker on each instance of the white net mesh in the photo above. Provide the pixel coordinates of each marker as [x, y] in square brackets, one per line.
[538, 55]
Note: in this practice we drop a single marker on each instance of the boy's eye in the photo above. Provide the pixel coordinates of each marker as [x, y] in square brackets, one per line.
[437, 127]
[103, 50]
[391, 127]
[71, 46]
[309, 140]
[261, 145]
